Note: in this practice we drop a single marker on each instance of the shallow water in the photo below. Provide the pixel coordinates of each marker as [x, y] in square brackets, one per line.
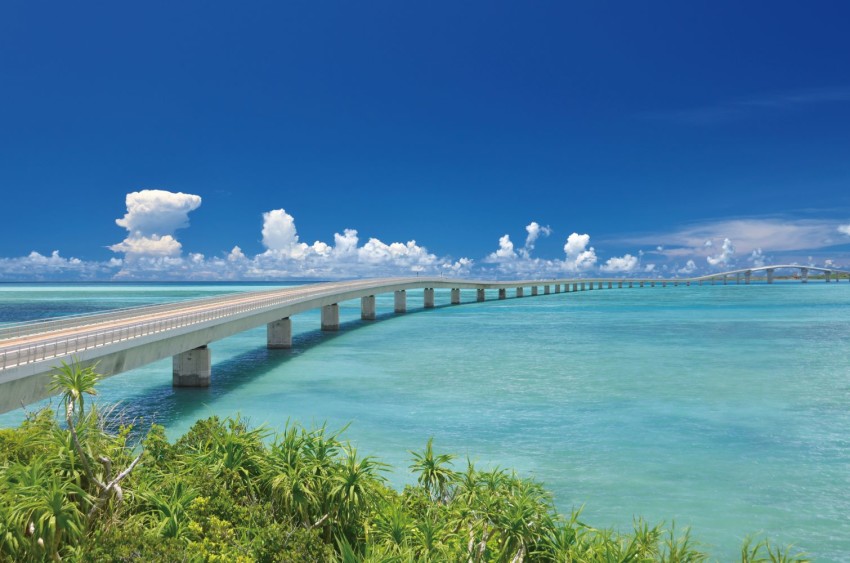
[724, 408]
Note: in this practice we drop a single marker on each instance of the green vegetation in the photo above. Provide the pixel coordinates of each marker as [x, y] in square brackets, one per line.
[75, 490]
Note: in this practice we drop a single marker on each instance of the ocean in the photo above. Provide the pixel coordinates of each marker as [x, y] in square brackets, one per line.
[722, 408]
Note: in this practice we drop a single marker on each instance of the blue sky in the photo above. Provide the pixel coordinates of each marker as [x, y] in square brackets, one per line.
[652, 132]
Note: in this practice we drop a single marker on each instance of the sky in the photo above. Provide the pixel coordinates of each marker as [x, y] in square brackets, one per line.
[322, 140]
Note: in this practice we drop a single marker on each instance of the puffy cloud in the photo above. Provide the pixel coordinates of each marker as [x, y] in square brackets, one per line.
[153, 245]
[844, 229]
[151, 219]
[505, 252]
[689, 268]
[534, 231]
[627, 263]
[236, 255]
[756, 258]
[54, 266]
[649, 268]
[724, 258]
[157, 212]
[579, 256]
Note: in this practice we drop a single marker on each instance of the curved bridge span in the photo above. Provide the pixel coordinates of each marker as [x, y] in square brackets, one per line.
[126, 339]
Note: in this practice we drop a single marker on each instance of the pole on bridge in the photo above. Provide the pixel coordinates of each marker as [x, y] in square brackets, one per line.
[400, 301]
[330, 318]
[192, 368]
[367, 308]
[279, 334]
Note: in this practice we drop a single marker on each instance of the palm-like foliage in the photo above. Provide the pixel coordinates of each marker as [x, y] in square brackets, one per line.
[75, 381]
[434, 474]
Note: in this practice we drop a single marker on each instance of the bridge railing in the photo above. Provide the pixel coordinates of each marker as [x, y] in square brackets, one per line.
[40, 326]
[62, 347]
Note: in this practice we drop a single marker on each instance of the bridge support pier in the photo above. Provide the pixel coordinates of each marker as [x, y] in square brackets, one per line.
[619, 285]
[557, 288]
[400, 301]
[480, 295]
[738, 278]
[827, 275]
[770, 275]
[747, 276]
[455, 296]
[367, 308]
[804, 275]
[330, 318]
[610, 285]
[641, 284]
[519, 292]
[534, 290]
[590, 286]
[652, 284]
[279, 334]
[631, 285]
[192, 368]
[503, 293]
[429, 298]
[546, 290]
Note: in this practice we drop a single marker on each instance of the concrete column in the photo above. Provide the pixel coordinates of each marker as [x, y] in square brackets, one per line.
[367, 308]
[725, 280]
[557, 288]
[598, 285]
[429, 298]
[804, 275]
[582, 286]
[738, 278]
[631, 285]
[770, 275]
[400, 301]
[675, 283]
[455, 296]
[652, 284]
[590, 286]
[503, 293]
[688, 283]
[575, 287]
[192, 368]
[663, 284]
[641, 284]
[747, 276]
[519, 292]
[534, 290]
[610, 285]
[330, 317]
[480, 295]
[279, 334]
[827, 275]
[545, 290]
[619, 285]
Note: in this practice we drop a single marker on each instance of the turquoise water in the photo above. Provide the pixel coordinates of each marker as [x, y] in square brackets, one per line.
[724, 408]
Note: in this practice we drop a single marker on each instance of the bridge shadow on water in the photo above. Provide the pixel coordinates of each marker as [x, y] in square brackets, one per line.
[165, 405]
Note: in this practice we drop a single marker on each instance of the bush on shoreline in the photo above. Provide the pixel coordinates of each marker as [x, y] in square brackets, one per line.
[79, 490]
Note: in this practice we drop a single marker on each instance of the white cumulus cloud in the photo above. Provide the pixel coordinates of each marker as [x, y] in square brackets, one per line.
[689, 268]
[579, 256]
[151, 219]
[627, 263]
[724, 258]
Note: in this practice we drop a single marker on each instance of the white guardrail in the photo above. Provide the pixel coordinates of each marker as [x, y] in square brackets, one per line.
[15, 356]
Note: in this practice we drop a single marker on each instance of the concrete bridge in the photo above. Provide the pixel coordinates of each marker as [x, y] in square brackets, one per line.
[126, 339]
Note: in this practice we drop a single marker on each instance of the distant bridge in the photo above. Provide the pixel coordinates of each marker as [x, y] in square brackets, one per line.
[129, 338]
